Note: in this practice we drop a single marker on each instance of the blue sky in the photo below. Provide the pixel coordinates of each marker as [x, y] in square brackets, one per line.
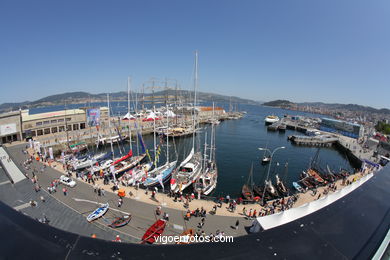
[303, 50]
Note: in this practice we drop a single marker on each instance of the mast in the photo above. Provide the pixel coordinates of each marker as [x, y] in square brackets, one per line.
[194, 110]
[109, 124]
[205, 151]
[154, 137]
[136, 119]
[128, 109]
[167, 135]
[212, 136]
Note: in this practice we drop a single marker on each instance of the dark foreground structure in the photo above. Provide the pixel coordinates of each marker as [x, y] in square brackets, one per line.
[350, 228]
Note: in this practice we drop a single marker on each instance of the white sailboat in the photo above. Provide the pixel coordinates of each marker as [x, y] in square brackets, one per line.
[207, 181]
[159, 175]
[190, 169]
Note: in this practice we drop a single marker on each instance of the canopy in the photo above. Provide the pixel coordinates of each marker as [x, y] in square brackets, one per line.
[169, 113]
[128, 116]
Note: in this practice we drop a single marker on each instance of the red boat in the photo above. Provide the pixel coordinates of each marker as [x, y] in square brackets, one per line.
[154, 231]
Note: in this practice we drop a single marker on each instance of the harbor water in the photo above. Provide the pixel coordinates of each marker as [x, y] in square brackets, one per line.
[237, 143]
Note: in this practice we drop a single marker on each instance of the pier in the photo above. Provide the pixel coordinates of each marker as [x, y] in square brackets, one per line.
[322, 140]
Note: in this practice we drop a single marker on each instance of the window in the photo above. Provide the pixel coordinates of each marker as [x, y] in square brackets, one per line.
[46, 122]
[39, 132]
[53, 121]
[38, 123]
[69, 128]
[33, 133]
[61, 120]
[82, 126]
[47, 131]
[54, 129]
[61, 128]
[75, 127]
[68, 119]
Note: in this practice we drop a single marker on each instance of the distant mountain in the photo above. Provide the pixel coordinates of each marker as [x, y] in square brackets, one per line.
[330, 106]
[350, 107]
[84, 97]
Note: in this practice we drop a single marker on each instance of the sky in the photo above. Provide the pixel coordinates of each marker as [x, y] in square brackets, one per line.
[331, 51]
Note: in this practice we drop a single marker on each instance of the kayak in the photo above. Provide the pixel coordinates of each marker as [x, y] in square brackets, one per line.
[97, 213]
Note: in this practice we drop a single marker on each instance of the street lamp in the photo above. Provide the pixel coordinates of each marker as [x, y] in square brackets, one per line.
[270, 164]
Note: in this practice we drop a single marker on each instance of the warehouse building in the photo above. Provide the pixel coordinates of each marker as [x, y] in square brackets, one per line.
[57, 121]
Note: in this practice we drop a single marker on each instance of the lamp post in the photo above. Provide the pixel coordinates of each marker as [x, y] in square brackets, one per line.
[270, 164]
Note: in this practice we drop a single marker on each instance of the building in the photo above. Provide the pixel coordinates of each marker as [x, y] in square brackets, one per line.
[342, 127]
[10, 127]
[57, 121]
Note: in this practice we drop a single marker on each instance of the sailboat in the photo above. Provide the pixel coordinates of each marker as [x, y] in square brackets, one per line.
[160, 175]
[247, 188]
[207, 181]
[190, 169]
[280, 186]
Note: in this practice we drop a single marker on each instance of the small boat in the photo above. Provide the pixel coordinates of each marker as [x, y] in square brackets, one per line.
[271, 119]
[297, 186]
[266, 159]
[247, 188]
[185, 236]
[154, 231]
[120, 221]
[97, 213]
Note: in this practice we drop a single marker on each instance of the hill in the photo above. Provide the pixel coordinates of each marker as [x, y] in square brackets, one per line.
[85, 97]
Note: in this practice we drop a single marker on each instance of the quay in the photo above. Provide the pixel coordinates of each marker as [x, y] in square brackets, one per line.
[322, 140]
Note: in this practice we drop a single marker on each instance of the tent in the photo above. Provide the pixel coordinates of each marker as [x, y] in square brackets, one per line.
[128, 116]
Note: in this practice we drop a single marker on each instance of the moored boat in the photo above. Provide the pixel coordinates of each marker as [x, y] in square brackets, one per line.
[271, 119]
[154, 231]
[120, 221]
[97, 213]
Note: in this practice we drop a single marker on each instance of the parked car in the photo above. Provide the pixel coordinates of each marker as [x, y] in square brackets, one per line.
[67, 181]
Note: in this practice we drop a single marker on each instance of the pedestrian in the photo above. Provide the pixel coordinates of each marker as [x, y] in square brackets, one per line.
[244, 211]
[166, 216]
[120, 201]
[64, 190]
[237, 223]
[250, 213]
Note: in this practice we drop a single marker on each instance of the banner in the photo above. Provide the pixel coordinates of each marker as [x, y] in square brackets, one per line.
[93, 117]
[8, 129]
[51, 153]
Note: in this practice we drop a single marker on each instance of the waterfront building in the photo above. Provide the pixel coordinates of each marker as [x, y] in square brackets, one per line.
[10, 127]
[342, 127]
[57, 121]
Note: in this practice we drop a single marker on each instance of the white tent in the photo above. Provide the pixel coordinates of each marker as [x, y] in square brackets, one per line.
[128, 116]
[151, 115]
[169, 113]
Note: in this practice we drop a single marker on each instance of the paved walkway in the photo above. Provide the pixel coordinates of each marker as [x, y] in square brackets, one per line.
[83, 200]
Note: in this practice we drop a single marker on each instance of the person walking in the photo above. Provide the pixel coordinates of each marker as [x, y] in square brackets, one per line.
[237, 224]
[65, 191]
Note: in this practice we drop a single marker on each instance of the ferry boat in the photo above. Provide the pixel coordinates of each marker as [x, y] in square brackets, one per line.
[271, 119]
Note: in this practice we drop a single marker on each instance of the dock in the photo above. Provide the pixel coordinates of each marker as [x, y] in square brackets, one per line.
[320, 140]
